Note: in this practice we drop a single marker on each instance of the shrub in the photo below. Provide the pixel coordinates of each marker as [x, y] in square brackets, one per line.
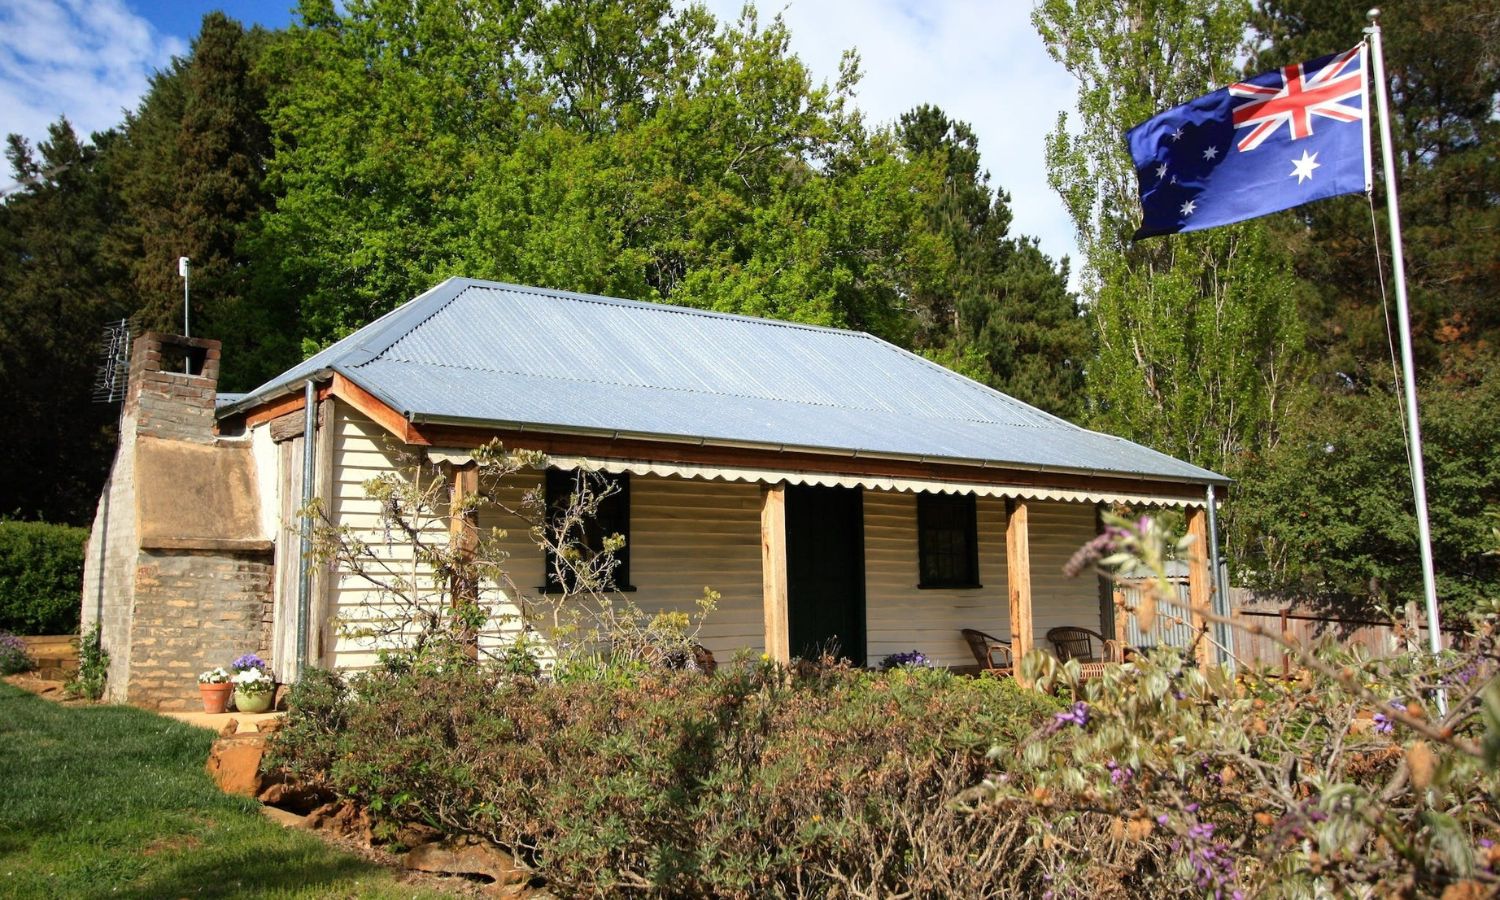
[750, 782]
[41, 577]
[13, 655]
[1352, 779]
[93, 667]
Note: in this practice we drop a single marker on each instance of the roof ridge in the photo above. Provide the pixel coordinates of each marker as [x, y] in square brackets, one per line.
[656, 306]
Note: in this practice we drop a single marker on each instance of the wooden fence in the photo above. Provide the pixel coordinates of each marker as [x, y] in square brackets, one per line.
[1380, 638]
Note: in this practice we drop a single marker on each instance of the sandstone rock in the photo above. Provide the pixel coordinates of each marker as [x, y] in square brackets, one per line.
[298, 798]
[270, 726]
[340, 817]
[317, 817]
[466, 856]
[414, 834]
[230, 727]
[234, 763]
[283, 818]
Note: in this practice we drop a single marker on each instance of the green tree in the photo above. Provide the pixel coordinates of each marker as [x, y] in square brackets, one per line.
[1339, 525]
[57, 291]
[1201, 346]
[1331, 507]
[383, 116]
[995, 308]
[190, 171]
[639, 150]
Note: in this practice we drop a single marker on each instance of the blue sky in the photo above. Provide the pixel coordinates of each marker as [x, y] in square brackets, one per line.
[980, 60]
[180, 18]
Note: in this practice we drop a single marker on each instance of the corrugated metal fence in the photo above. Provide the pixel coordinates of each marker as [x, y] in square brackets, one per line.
[1172, 626]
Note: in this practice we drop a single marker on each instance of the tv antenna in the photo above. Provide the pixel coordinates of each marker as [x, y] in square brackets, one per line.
[109, 382]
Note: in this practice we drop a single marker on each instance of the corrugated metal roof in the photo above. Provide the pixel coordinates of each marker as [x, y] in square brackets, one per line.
[484, 352]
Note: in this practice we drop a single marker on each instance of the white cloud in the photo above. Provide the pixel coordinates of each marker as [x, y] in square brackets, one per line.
[86, 59]
[979, 60]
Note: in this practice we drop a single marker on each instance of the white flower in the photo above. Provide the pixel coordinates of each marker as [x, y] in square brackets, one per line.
[214, 676]
[251, 676]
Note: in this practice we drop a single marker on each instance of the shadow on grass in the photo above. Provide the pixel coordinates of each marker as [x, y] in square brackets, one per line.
[289, 871]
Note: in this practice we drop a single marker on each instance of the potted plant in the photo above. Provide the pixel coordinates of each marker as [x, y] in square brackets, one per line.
[254, 688]
[214, 687]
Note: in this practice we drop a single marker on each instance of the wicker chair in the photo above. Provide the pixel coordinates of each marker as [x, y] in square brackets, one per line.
[992, 654]
[1072, 642]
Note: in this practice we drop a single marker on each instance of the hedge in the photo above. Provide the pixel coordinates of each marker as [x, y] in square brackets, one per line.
[41, 577]
[753, 782]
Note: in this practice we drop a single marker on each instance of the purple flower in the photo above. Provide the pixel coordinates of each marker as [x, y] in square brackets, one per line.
[914, 659]
[1119, 774]
[1077, 715]
[1382, 723]
[250, 661]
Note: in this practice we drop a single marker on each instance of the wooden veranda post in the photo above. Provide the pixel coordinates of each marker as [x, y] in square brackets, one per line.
[1199, 590]
[1018, 579]
[463, 531]
[773, 571]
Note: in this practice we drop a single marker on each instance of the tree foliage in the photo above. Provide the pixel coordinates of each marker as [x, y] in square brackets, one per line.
[59, 288]
[1200, 344]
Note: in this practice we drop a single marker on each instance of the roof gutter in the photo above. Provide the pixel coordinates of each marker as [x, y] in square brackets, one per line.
[421, 418]
[295, 386]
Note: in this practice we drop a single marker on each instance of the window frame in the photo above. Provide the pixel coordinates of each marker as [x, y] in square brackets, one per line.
[968, 511]
[555, 479]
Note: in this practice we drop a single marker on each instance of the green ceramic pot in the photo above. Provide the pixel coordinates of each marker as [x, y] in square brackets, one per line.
[253, 703]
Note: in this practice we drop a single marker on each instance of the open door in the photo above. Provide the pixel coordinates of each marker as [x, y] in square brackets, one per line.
[825, 556]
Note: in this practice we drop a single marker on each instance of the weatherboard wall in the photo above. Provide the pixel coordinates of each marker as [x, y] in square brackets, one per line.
[901, 617]
[689, 534]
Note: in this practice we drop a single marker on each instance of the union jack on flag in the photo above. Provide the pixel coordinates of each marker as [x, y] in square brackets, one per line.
[1300, 97]
[1278, 140]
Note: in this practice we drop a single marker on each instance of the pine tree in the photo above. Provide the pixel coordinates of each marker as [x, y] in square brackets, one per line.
[57, 291]
[998, 309]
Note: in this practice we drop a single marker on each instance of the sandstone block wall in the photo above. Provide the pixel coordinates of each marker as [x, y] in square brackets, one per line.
[194, 610]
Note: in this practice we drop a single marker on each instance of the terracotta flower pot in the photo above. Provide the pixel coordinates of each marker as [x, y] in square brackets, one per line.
[215, 697]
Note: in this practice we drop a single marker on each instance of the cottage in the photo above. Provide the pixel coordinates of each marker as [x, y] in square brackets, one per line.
[833, 488]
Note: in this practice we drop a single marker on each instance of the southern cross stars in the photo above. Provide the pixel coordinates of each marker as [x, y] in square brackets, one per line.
[1211, 153]
[1161, 171]
[1303, 168]
[1177, 135]
[1189, 207]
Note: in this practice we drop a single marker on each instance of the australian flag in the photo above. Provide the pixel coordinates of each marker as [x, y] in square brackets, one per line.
[1279, 140]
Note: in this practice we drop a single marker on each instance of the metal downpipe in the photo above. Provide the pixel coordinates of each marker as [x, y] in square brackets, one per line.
[1220, 588]
[309, 474]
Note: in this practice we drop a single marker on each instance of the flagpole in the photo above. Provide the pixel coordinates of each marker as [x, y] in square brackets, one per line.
[1409, 379]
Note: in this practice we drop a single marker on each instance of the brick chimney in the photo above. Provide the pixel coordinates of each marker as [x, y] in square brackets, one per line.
[173, 380]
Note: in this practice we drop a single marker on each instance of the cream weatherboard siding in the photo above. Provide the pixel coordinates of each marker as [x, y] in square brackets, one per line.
[688, 534]
[900, 617]
[685, 535]
[363, 450]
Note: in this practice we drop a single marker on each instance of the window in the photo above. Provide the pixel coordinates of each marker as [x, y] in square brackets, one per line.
[947, 541]
[613, 518]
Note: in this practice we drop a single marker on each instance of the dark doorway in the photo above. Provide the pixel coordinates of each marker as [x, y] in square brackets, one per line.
[825, 562]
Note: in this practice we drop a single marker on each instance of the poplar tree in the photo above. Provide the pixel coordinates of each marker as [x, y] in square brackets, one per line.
[1201, 344]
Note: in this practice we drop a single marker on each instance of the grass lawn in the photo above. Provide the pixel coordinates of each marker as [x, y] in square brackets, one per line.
[108, 801]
